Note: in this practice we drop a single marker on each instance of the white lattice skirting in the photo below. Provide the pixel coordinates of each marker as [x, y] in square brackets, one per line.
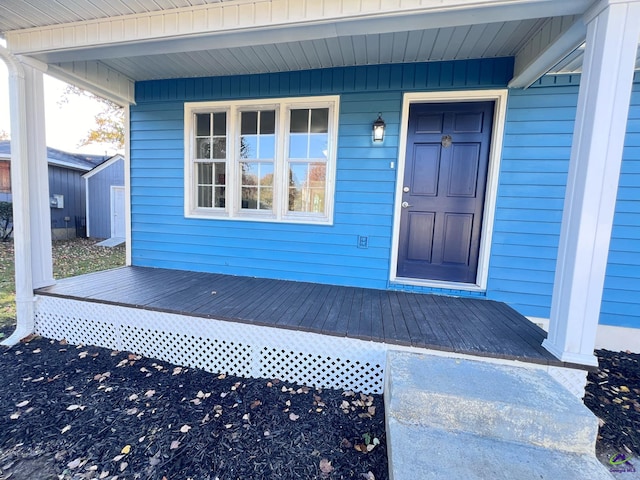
[235, 348]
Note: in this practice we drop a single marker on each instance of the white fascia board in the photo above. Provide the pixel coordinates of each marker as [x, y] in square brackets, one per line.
[166, 31]
[107, 163]
[553, 42]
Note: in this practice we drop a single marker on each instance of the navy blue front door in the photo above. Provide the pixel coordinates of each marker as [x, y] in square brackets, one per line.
[445, 177]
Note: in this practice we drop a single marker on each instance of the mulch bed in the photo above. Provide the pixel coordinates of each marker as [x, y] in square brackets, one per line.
[613, 395]
[78, 412]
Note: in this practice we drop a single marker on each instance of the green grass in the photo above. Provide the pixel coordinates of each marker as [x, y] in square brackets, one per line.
[70, 258]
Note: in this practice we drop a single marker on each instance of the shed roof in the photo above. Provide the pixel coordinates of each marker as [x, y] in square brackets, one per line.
[59, 158]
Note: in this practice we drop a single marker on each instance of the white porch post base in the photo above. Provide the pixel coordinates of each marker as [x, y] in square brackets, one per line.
[26, 321]
[570, 357]
[613, 31]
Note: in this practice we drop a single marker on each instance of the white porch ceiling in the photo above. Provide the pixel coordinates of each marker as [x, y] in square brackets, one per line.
[123, 41]
[477, 41]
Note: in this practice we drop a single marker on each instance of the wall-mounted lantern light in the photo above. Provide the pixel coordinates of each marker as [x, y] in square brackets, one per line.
[378, 129]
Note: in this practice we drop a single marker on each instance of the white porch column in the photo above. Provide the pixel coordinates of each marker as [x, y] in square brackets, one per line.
[32, 233]
[38, 189]
[613, 32]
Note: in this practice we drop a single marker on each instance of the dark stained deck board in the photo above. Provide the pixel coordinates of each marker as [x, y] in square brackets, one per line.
[461, 325]
[393, 321]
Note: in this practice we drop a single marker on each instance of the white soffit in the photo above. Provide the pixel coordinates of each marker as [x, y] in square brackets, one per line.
[109, 44]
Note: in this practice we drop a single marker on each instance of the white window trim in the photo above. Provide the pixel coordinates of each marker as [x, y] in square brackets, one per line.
[232, 209]
[491, 194]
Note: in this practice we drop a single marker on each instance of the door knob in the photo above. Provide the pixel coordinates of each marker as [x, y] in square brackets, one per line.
[405, 205]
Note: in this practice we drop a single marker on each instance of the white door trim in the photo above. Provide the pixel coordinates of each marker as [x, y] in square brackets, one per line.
[495, 155]
[113, 207]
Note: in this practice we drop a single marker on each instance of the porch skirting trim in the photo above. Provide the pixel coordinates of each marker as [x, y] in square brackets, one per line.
[248, 351]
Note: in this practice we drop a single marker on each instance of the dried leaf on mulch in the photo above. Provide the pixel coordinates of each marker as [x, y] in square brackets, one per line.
[613, 395]
[92, 413]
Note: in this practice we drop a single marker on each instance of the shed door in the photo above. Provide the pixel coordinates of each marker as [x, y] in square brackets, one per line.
[443, 192]
[117, 212]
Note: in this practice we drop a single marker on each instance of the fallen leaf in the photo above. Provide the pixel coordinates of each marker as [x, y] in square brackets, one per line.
[74, 463]
[255, 404]
[175, 444]
[63, 342]
[123, 465]
[37, 350]
[104, 474]
[325, 466]
[126, 449]
[150, 393]
[177, 371]
[368, 476]
[15, 416]
[29, 338]
[117, 458]
[293, 417]
[71, 408]
[66, 429]
[185, 428]
[133, 397]
[22, 404]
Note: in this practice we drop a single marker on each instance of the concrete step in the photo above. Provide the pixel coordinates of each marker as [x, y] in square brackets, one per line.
[448, 418]
[429, 454]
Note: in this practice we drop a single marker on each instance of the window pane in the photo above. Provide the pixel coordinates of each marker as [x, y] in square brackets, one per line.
[204, 196]
[203, 148]
[299, 121]
[219, 147]
[298, 143]
[257, 182]
[307, 184]
[320, 120]
[249, 146]
[220, 124]
[318, 145]
[268, 122]
[205, 174]
[220, 178]
[250, 173]
[267, 146]
[203, 124]
[220, 197]
[248, 123]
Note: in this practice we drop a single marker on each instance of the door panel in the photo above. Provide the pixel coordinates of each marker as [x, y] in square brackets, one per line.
[445, 173]
[420, 236]
[463, 174]
[424, 180]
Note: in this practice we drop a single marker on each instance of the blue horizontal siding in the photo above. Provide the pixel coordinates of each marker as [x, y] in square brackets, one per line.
[365, 182]
[537, 145]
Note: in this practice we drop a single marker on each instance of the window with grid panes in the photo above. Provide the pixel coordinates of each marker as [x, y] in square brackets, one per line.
[272, 161]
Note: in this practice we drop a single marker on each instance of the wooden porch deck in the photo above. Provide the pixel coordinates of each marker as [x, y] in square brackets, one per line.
[476, 327]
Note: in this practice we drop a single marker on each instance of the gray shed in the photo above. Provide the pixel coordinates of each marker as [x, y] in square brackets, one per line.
[105, 201]
[66, 188]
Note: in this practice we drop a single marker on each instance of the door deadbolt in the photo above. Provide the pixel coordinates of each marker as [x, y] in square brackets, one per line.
[405, 189]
